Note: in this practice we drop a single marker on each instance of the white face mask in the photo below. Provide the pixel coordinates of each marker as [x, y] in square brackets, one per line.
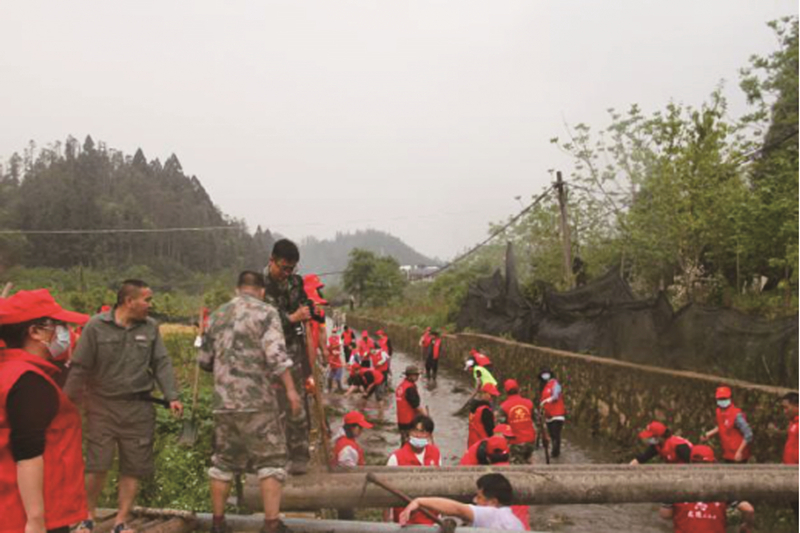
[417, 442]
[546, 377]
[724, 403]
[60, 343]
[653, 441]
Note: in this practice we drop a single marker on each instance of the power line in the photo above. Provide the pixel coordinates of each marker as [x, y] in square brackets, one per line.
[116, 230]
[492, 236]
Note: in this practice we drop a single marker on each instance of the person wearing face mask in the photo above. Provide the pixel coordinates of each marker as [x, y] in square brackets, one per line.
[41, 461]
[734, 432]
[419, 450]
[552, 403]
[119, 360]
[661, 441]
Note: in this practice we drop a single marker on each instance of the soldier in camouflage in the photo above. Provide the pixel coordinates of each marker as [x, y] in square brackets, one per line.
[244, 348]
[284, 290]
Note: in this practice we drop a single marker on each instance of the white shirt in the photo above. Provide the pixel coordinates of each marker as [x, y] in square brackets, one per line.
[496, 518]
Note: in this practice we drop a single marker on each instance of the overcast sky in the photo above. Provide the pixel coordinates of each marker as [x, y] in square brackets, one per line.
[424, 119]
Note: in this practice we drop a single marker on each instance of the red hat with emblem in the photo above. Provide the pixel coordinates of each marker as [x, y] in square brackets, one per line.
[29, 305]
[354, 417]
[703, 454]
[653, 429]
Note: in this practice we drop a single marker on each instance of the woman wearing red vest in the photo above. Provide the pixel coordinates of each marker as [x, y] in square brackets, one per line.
[418, 451]
[481, 416]
[41, 458]
[552, 403]
[706, 517]
[518, 412]
[661, 441]
[734, 432]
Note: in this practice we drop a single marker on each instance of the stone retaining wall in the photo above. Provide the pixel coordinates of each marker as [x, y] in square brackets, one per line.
[613, 399]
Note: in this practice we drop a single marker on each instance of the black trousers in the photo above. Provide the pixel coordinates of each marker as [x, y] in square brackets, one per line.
[431, 366]
[554, 429]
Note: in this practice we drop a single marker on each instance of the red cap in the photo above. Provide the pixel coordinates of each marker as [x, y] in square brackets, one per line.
[365, 333]
[511, 384]
[28, 305]
[653, 429]
[354, 417]
[473, 351]
[491, 389]
[335, 339]
[723, 392]
[380, 332]
[703, 454]
[497, 444]
[504, 430]
[312, 284]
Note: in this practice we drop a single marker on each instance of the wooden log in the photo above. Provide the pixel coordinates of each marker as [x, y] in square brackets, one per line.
[539, 485]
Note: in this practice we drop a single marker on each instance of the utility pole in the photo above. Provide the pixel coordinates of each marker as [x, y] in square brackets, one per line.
[565, 237]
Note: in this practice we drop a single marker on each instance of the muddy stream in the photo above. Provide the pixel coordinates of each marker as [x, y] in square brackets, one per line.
[452, 390]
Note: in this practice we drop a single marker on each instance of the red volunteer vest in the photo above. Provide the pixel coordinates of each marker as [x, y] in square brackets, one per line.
[405, 413]
[383, 342]
[334, 355]
[476, 430]
[668, 452]
[342, 443]
[437, 348]
[518, 414]
[699, 517]
[347, 337]
[426, 340]
[64, 491]
[405, 457]
[377, 377]
[375, 357]
[729, 437]
[790, 450]
[555, 408]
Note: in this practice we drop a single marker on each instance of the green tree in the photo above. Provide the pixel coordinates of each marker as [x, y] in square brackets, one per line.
[373, 280]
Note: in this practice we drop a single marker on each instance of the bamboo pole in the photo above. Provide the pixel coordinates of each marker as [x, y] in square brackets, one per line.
[538, 485]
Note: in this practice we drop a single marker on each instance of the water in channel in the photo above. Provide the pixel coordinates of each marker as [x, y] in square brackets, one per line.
[452, 390]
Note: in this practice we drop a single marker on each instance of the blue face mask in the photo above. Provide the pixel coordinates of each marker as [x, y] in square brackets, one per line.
[417, 442]
[724, 404]
[60, 343]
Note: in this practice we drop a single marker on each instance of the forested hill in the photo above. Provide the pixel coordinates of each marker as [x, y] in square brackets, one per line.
[331, 255]
[69, 186]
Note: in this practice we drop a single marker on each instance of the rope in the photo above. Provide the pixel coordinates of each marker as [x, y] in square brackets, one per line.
[492, 236]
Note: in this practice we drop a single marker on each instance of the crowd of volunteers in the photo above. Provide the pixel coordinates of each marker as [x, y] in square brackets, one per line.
[76, 391]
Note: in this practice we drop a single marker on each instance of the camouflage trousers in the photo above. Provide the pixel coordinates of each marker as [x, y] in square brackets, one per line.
[521, 453]
[296, 427]
[248, 442]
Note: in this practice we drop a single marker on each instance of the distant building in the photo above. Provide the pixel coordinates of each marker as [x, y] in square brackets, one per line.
[419, 272]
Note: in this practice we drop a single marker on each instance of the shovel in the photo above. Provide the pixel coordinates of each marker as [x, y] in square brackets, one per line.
[189, 432]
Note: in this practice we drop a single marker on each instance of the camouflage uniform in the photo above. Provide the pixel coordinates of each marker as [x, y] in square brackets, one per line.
[288, 297]
[245, 349]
